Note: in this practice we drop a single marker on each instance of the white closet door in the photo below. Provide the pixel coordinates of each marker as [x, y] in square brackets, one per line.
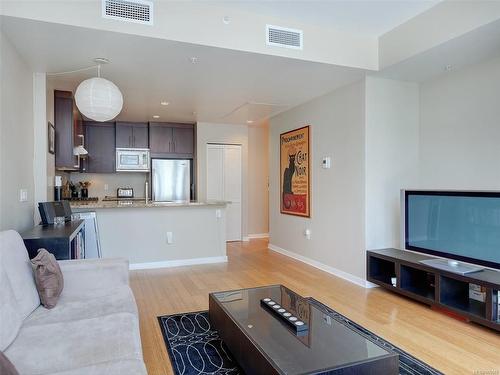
[224, 183]
[232, 191]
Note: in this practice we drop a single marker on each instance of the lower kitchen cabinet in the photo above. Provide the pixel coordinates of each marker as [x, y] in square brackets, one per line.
[100, 143]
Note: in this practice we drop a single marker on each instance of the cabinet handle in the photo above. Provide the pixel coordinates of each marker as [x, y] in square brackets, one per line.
[169, 146]
[129, 141]
[134, 140]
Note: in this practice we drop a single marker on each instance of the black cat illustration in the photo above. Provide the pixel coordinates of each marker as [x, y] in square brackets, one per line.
[288, 174]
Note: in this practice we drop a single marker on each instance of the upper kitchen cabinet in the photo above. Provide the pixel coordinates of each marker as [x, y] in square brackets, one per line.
[68, 126]
[100, 143]
[132, 135]
[171, 140]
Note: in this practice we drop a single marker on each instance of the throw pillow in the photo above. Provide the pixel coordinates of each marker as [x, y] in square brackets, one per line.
[48, 278]
[6, 366]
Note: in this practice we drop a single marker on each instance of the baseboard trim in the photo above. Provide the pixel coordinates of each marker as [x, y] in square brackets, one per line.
[177, 263]
[255, 235]
[323, 267]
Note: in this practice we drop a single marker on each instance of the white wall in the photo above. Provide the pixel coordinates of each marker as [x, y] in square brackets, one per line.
[460, 129]
[337, 220]
[224, 134]
[392, 122]
[40, 142]
[258, 179]
[16, 139]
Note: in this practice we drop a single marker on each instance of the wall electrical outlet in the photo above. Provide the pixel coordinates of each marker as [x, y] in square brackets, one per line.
[23, 195]
[307, 234]
[106, 187]
[170, 238]
[218, 214]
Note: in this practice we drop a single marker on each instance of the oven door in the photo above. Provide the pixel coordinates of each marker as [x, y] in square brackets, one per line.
[132, 160]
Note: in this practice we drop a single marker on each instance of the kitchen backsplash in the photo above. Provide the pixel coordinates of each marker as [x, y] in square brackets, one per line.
[113, 181]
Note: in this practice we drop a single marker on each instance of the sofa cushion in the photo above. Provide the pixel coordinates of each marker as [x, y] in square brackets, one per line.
[15, 261]
[6, 366]
[89, 306]
[65, 346]
[10, 316]
[48, 278]
[123, 367]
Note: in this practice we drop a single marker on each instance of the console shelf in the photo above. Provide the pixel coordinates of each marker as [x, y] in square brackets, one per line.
[435, 287]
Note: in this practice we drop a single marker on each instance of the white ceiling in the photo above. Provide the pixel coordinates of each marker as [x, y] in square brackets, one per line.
[364, 17]
[223, 86]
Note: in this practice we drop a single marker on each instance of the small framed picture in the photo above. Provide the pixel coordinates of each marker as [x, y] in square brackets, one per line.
[52, 138]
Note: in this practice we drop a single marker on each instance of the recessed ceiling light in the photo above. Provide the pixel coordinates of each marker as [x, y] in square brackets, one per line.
[249, 121]
[448, 67]
[226, 20]
[164, 103]
[193, 60]
[156, 116]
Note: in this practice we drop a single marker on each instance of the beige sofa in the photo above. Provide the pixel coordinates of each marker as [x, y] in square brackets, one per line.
[94, 329]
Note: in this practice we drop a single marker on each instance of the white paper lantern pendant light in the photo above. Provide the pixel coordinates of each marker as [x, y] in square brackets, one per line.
[97, 98]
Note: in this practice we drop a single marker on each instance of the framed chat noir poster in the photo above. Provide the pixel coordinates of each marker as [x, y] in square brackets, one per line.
[295, 176]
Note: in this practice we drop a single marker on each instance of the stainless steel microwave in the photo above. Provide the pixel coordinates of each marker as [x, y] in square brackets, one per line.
[132, 160]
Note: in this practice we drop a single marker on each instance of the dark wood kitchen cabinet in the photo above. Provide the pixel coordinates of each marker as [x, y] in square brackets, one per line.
[132, 135]
[68, 126]
[171, 140]
[100, 143]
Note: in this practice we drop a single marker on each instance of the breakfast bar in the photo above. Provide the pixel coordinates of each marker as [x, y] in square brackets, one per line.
[160, 234]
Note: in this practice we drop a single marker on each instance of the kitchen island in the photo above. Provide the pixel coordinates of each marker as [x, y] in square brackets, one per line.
[160, 234]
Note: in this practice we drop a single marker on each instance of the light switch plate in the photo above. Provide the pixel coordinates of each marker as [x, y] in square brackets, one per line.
[326, 163]
[23, 195]
[170, 238]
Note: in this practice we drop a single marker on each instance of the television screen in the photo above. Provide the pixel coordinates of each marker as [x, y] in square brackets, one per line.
[459, 225]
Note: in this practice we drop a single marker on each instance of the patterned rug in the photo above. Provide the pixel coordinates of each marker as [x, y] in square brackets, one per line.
[195, 348]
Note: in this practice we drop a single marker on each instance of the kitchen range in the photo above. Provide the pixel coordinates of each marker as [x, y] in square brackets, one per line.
[153, 219]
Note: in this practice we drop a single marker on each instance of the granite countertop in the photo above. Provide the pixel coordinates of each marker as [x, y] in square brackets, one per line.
[142, 204]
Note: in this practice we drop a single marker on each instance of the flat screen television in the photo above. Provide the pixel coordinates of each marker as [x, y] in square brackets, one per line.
[458, 225]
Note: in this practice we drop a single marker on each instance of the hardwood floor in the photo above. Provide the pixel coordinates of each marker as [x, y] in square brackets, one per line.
[451, 346]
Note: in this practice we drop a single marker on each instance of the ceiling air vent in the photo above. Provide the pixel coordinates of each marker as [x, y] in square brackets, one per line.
[284, 37]
[138, 11]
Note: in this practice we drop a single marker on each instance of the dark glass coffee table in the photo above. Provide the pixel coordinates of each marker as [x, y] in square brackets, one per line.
[263, 344]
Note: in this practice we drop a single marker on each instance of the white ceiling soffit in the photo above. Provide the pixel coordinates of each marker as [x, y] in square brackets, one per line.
[362, 17]
[202, 23]
[478, 45]
[150, 70]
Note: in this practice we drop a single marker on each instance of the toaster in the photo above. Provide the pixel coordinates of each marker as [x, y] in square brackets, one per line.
[125, 192]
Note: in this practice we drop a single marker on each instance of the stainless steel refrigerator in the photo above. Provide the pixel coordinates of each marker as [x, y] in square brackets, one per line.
[171, 180]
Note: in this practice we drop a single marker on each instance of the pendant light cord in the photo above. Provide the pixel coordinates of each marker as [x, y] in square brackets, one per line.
[98, 66]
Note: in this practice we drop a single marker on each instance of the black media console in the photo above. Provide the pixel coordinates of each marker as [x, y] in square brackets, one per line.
[434, 287]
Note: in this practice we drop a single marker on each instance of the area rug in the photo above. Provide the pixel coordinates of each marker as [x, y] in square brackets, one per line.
[195, 348]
